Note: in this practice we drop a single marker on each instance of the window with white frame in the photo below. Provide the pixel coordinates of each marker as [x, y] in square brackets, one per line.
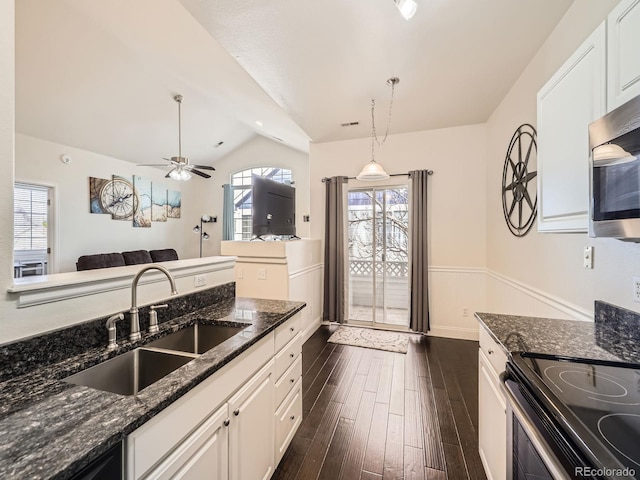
[242, 201]
[30, 229]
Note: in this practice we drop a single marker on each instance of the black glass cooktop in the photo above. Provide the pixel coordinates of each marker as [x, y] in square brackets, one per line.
[598, 401]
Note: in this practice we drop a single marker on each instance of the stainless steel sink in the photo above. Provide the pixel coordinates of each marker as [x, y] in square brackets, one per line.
[197, 338]
[129, 373]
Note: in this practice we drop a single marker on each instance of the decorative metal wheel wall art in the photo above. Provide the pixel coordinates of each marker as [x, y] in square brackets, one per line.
[519, 187]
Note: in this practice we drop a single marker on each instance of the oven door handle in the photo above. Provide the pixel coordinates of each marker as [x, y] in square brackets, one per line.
[546, 454]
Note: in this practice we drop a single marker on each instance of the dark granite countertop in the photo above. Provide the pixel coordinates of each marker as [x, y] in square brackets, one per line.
[572, 338]
[52, 429]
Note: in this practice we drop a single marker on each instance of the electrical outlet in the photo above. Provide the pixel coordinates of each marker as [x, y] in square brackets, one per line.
[199, 281]
[262, 274]
[636, 289]
[587, 257]
[465, 312]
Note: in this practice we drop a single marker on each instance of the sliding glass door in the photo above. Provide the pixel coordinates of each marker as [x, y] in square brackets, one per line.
[378, 233]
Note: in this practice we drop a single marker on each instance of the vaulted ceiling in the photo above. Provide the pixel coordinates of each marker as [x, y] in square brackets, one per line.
[102, 75]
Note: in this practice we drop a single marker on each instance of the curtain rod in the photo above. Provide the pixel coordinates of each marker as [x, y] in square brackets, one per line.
[429, 172]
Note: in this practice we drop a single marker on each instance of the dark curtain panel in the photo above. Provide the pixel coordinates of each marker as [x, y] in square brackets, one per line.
[334, 259]
[227, 212]
[419, 266]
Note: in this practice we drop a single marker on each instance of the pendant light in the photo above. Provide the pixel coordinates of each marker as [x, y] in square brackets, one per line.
[407, 8]
[374, 171]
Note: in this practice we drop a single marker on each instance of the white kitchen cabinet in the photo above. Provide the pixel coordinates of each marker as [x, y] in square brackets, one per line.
[203, 456]
[252, 428]
[492, 420]
[623, 60]
[573, 98]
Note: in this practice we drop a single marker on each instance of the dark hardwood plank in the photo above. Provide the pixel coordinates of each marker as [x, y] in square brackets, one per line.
[314, 459]
[384, 384]
[394, 450]
[292, 460]
[448, 432]
[311, 421]
[352, 465]
[434, 454]
[314, 346]
[456, 468]
[310, 374]
[370, 476]
[346, 375]
[433, 474]
[337, 450]
[374, 455]
[468, 441]
[413, 430]
[396, 403]
[320, 380]
[373, 376]
[352, 402]
[410, 369]
[414, 468]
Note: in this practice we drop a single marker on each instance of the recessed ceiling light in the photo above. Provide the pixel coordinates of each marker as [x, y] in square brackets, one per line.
[259, 123]
[407, 8]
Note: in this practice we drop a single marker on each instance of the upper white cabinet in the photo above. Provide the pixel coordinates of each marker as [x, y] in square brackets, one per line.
[573, 98]
[623, 56]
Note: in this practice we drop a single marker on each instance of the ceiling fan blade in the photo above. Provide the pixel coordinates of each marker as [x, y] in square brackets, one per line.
[202, 174]
[204, 167]
[168, 175]
[151, 165]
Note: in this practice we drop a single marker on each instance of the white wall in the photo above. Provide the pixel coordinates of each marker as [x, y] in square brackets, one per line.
[258, 152]
[79, 232]
[551, 263]
[457, 196]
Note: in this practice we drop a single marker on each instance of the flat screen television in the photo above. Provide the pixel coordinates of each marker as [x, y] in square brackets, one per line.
[273, 207]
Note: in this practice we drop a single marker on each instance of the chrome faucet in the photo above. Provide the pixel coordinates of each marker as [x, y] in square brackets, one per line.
[135, 319]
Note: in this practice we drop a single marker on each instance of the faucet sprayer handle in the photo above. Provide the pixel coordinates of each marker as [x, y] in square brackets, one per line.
[111, 329]
[153, 317]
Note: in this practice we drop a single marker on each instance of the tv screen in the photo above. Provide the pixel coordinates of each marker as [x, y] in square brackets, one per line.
[273, 207]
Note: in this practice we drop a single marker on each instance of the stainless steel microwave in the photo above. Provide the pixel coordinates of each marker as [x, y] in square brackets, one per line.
[614, 140]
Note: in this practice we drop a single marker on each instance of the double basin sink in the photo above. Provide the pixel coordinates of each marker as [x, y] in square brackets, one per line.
[129, 373]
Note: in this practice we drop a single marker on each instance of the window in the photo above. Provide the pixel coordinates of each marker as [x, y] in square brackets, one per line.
[30, 229]
[241, 184]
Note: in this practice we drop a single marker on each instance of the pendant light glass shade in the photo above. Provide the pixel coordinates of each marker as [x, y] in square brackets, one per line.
[407, 8]
[372, 172]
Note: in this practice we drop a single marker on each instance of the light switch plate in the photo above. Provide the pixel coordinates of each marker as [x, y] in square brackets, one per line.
[636, 289]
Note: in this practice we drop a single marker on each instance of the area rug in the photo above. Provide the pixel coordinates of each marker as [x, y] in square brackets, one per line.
[369, 338]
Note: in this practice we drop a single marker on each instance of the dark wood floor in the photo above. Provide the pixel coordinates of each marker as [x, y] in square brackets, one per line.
[370, 414]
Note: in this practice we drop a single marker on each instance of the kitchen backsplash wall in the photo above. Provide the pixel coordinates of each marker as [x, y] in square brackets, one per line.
[618, 330]
[23, 356]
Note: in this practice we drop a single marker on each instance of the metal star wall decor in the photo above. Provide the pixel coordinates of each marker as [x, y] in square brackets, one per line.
[519, 188]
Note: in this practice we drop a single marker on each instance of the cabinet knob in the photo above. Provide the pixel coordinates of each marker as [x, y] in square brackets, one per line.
[236, 412]
[226, 422]
[293, 380]
[490, 351]
[292, 355]
[293, 417]
[292, 329]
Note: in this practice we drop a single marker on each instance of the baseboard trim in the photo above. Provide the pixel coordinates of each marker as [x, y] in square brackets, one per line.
[570, 309]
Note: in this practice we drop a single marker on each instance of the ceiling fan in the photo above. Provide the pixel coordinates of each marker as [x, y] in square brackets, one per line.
[182, 169]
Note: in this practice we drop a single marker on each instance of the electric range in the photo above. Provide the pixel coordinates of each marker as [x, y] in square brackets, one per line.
[573, 418]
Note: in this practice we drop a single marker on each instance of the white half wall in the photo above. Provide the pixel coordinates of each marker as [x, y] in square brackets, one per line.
[79, 232]
[551, 263]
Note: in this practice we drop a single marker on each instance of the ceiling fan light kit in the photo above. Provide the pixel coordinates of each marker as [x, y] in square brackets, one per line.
[407, 8]
[182, 169]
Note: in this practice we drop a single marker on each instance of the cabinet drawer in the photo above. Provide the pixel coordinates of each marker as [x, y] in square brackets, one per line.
[285, 384]
[493, 351]
[288, 419]
[288, 330]
[288, 355]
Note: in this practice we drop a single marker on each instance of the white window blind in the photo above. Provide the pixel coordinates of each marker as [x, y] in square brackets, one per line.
[30, 205]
